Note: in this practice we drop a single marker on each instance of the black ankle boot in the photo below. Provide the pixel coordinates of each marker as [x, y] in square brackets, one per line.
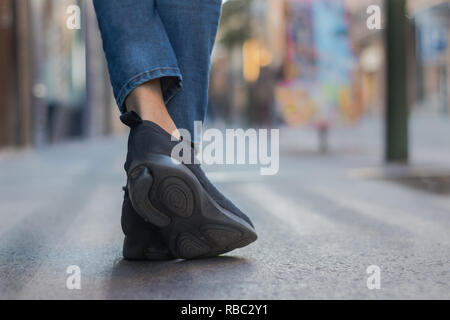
[194, 219]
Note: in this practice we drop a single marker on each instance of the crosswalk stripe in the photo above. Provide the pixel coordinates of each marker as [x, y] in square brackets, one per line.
[298, 216]
[399, 218]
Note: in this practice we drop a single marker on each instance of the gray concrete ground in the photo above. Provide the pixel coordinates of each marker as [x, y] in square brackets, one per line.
[321, 224]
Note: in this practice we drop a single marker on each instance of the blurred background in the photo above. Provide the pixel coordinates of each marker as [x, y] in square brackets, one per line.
[364, 153]
[293, 62]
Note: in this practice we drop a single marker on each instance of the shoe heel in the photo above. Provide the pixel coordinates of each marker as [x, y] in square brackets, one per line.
[140, 182]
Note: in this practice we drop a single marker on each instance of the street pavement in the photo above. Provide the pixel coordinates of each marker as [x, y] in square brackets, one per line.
[321, 224]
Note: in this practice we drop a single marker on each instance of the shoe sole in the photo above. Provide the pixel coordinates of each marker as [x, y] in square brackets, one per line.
[193, 225]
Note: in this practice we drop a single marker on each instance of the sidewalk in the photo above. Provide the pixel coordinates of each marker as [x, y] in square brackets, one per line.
[320, 226]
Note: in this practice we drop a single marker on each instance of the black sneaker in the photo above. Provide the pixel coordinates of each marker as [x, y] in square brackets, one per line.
[142, 240]
[193, 217]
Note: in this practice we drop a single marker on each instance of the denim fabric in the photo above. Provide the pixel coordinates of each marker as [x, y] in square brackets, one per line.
[167, 39]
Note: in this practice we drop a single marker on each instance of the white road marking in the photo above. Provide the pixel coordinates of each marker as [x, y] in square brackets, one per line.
[300, 217]
[399, 218]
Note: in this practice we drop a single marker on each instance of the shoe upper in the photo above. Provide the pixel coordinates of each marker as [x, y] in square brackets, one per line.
[148, 138]
[223, 201]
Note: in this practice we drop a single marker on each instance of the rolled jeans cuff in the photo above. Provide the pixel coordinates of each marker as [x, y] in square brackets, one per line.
[171, 83]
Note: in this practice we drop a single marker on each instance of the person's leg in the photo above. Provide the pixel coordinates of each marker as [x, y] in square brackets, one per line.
[170, 40]
[142, 64]
[191, 27]
[144, 75]
[192, 217]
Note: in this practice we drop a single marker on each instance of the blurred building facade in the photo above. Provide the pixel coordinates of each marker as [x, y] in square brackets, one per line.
[323, 62]
[368, 47]
[54, 79]
[428, 55]
[295, 61]
[432, 55]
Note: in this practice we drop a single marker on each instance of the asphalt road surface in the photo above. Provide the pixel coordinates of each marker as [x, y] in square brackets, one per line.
[322, 221]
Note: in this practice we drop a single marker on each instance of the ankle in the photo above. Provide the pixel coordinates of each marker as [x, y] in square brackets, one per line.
[147, 101]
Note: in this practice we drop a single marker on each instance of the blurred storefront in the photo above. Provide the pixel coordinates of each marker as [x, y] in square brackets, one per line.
[368, 47]
[320, 61]
[298, 61]
[298, 55]
[432, 55]
[54, 80]
[317, 69]
[428, 55]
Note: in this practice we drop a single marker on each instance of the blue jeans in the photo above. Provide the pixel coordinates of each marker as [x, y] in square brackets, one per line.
[167, 39]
